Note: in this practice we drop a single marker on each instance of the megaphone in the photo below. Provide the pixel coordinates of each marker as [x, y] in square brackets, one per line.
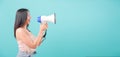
[45, 19]
[49, 18]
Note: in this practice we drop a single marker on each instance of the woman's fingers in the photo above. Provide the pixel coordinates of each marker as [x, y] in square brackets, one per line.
[44, 26]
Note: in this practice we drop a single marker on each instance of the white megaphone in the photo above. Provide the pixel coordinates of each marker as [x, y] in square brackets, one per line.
[50, 18]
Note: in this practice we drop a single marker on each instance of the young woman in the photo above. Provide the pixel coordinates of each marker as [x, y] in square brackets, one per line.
[27, 42]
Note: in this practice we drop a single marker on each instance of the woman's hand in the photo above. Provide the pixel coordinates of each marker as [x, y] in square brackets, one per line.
[43, 27]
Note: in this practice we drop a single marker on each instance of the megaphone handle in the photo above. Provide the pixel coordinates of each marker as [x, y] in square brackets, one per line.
[44, 36]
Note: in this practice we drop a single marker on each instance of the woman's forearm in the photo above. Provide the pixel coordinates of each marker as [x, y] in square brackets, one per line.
[40, 36]
[38, 39]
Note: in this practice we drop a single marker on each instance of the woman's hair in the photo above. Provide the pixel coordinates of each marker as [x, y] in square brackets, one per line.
[20, 19]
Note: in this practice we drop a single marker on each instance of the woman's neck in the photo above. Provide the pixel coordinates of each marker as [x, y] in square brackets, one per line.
[25, 26]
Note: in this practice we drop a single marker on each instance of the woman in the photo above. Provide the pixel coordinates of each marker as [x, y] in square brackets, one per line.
[27, 42]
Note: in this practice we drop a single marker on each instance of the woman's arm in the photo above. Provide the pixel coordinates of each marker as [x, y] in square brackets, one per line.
[25, 37]
[43, 31]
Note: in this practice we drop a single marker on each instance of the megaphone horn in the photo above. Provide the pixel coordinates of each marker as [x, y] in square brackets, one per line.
[50, 18]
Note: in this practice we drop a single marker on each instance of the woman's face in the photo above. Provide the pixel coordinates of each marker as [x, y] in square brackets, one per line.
[28, 18]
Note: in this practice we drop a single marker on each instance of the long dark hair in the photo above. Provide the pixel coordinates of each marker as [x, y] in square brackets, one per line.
[20, 19]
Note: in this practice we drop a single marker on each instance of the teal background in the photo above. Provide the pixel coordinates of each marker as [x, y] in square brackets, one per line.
[84, 27]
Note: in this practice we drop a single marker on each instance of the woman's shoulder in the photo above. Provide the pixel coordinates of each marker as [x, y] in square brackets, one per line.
[19, 30]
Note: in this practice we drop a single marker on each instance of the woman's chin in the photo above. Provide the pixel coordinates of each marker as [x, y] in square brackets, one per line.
[29, 22]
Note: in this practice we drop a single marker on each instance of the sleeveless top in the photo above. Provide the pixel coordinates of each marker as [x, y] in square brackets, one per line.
[23, 47]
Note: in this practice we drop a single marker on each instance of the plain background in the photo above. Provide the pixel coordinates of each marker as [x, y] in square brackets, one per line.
[84, 27]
